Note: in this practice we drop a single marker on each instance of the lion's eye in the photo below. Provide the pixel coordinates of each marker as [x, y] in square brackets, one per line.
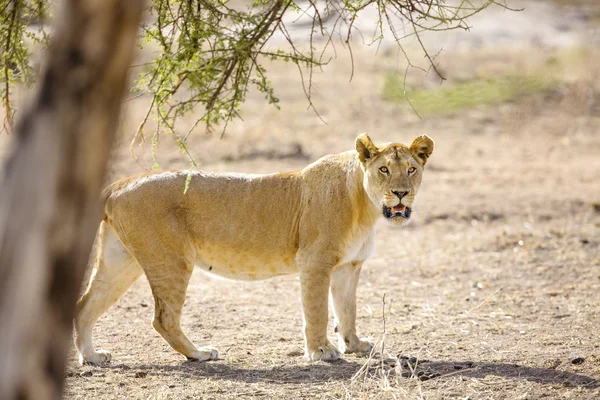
[411, 170]
[384, 170]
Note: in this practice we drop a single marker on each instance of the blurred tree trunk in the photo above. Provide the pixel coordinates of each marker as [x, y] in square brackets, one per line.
[49, 208]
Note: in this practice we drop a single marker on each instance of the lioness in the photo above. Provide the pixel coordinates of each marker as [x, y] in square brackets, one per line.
[318, 222]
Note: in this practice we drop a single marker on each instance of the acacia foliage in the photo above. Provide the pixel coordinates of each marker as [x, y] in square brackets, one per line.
[211, 52]
[16, 16]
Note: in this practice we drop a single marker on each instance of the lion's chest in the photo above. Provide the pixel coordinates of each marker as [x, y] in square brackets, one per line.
[241, 264]
[360, 246]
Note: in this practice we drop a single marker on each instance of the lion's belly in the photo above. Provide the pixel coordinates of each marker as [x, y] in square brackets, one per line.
[244, 265]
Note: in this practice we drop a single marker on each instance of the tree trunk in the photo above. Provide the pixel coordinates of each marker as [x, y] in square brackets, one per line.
[49, 208]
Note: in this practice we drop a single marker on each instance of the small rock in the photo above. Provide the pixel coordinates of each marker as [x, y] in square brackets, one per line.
[141, 374]
[424, 378]
[406, 374]
[584, 241]
[86, 374]
[413, 360]
[577, 360]
[458, 367]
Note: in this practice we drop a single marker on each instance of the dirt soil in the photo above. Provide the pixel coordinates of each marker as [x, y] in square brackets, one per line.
[492, 292]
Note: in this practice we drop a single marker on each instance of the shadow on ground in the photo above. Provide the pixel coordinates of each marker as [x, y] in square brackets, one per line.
[318, 372]
[344, 370]
[444, 369]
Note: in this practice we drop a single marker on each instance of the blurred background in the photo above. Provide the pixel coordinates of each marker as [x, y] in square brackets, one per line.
[501, 263]
[531, 73]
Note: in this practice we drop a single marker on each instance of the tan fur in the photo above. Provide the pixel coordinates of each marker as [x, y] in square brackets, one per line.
[318, 222]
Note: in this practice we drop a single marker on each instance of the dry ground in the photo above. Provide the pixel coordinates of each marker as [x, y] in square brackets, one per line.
[494, 287]
[500, 267]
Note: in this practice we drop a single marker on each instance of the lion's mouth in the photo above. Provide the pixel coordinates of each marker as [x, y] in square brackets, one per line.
[399, 210]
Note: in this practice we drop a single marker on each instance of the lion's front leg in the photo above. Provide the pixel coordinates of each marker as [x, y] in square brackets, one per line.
[344, 281]
[314, 285]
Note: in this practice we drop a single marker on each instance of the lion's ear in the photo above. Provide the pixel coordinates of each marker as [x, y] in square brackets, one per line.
[421, 148]
[365, 148]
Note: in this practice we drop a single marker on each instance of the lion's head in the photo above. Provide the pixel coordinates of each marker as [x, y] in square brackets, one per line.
[393, 173]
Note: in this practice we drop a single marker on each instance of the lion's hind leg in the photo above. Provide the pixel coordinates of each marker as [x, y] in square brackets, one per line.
[115, 270]
[169, 282]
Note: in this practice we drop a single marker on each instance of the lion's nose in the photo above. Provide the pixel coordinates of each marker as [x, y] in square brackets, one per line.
[399, 193]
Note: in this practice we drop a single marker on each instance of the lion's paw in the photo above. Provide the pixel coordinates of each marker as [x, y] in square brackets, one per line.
[96, 358]
[204, 354]
[361, 347]
[325, 353]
